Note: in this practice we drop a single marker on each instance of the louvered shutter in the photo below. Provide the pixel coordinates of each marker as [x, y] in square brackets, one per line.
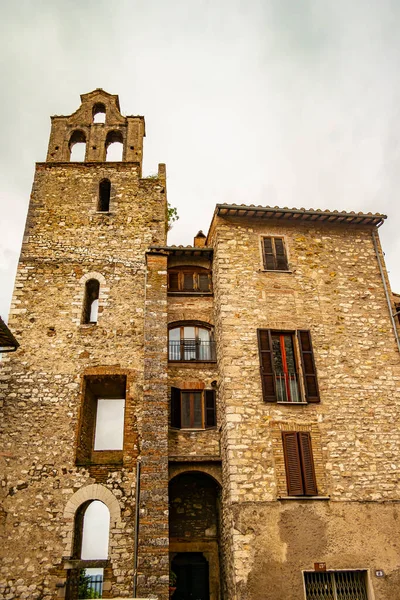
[175, 407]
[188, 282]
[309, 372]
[281, 260]
[306, 455]
[269, 257]
[292, 463]
[203, 282]
[173, 282]
[266, 365]
[211, 416]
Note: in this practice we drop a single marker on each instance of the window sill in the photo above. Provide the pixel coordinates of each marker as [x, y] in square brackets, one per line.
[187, 430]
[194, 293]
[293, 403]
[191, 362]
[275, 271]
[304, 498]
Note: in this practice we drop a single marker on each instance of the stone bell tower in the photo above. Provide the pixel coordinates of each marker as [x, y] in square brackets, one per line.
[89, 312]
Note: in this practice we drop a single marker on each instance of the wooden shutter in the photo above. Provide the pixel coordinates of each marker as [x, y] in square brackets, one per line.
[269, 257]
[211, 416]
[204, 282]
[175, 407]
[173, 282]
[291, 453]
[307, 461]
[266, 365]
[281, 260]
[188, 283]
[309, 372]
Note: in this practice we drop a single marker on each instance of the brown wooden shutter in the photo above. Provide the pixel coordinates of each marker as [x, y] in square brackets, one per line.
[292, 463]
[175, 407]
[188, 282]
[306, 455]
[309, 372]
[269, 257]
[173, 282]
[204, 282]
[281, 260]
[211, 416]
[266, 365]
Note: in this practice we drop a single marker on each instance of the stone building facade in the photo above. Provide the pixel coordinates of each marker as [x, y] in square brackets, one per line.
[234, 405]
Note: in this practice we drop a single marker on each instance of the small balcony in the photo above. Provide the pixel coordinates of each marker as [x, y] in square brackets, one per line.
[191, 350]
[287, 387]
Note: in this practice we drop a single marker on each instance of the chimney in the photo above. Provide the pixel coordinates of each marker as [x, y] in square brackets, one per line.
[199, 240]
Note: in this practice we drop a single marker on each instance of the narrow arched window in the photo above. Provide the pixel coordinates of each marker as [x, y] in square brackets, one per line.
[77, 146]
[104, 195]
[91, 541]
[91, 301]
[114, 146]
[99, 113]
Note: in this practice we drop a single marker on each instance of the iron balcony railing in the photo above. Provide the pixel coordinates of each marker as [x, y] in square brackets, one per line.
[287, 387]
[191, 349]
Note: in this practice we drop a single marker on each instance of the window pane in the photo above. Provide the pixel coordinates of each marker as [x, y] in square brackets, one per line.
[94, 309]
[290, 362]
[109, 433]
[276, 346]
[188, 332]
[204, 282]
[204, 334]
[185, 410]
[175, 334]
[188, 282]
[197, 419]
[96, 525]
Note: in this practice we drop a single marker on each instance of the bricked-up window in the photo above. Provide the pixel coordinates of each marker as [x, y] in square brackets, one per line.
[101, 426]
[114, 146]
[299, 463]
[99, 113]
[77, 146]
[189, 280]
[193, 409]
[91, 302]
[279, 366]
[191, 343]
[103, 204]
[336, 585]
[274, 254]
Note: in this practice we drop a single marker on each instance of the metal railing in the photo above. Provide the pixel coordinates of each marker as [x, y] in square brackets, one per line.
[287, 387]
[191, 349]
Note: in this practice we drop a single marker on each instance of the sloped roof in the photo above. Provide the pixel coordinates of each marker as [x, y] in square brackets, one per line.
[299, 214]
[8, 343]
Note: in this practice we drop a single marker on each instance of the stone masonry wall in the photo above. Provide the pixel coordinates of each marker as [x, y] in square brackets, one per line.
[65, 240]
[334, 290]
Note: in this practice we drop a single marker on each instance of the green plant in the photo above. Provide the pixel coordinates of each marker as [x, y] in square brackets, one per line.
[172, 579]
[85, 590]
[172, 215]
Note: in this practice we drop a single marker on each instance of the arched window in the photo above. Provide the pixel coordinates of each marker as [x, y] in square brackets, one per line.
[191, 342]
[114, 146]
[99, 113]
[77, 146]
[91, 540]
[104, 195]
[91, 301]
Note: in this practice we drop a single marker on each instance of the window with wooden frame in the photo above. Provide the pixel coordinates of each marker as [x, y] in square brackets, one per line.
[189, 280]
[193, 409]
[102, 420]
[191, 342]
[299, 463]
[279, 365]
[274, 254]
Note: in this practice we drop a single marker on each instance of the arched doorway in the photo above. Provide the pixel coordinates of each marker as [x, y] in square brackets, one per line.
[191, 569]
[194, 536]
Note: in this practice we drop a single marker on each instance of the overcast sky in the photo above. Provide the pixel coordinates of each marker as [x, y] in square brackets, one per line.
[272, 102]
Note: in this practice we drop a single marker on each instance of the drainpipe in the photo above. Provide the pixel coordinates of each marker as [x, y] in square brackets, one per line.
[136, 534]
[388, 300]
